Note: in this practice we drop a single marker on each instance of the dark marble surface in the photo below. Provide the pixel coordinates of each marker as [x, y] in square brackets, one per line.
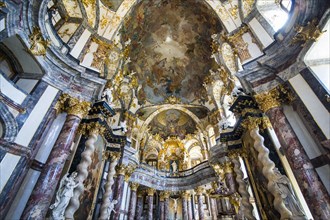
[184, 209]
[166, 208]
[132, 205]
[139, 207]
[9, 122]
[162, 210]
[150, 206]
[118, 195]
[40, 199]
[312, 188]
[200, 207]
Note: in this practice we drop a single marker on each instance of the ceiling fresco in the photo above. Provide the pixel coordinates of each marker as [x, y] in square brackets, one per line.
[170, 51]
[172, 123]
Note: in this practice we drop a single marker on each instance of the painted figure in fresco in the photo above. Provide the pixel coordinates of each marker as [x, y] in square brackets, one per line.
[107, 95]
[63, 195]
[174, 167]
[283, 186]
[111, 207]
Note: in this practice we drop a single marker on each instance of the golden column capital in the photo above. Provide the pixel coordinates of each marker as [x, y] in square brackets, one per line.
[140, 193]
[199, 190]
[268, 100]
[121, 169]
[151, 191]
[128, 172]
[185, 195]
[228, 167]
[251, 123]
[91, 128]
[164, 195]
[134, 186]
[77, 107]
[114, 155]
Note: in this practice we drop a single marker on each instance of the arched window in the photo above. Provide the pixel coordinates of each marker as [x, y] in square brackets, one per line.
[275, 12]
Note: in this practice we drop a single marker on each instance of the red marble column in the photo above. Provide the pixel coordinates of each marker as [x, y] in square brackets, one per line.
[118, 191]
[40, 199]
[132, 202]
[139, 206]
[150, 203]
[312, 188]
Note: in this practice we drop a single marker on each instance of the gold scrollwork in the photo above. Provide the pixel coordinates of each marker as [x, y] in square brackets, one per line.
[77, 107]
[268, 100]
[91, 128]
[199, 190]
[121, 169]
[306, 33]
[129, 171]
[251, 123]
[2, 4]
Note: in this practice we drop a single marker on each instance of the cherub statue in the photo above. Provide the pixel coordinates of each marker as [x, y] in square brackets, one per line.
[63, 195]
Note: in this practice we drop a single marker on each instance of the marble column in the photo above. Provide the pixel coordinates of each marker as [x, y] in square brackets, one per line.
[162, 205]
[118, 190]
[190, 208]
[199, 192]
[185, 196]
[108, 194]
[42, 194]
[93, 130]
[150, 198]
[309, 182]
[166, 205]
[132, 202]
[242, 188]
[214, 209]
[139, 206]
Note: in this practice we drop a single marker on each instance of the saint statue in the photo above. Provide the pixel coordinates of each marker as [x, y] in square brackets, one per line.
[174, 167]
[107, 95]
[283, 186]
[63, 195]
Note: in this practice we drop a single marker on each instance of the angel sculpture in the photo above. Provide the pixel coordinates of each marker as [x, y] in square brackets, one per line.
[63, 195]
[111, 207]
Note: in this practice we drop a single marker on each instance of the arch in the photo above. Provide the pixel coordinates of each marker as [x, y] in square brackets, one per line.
[10, 127]
[164, 108]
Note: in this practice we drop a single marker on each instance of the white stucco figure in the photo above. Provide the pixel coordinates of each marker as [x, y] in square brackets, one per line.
[283, 186]
[107, 95]
[63, 196]
[123, 126]
[111, 207]
[174, 167]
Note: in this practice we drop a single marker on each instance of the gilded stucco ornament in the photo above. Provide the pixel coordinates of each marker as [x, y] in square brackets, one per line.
[121, 169]
[268, 100]
[309, 32]
[38, 44]
[91, 128]
[164, 195]
[129, 171]
[251, 123]
[199, 190]
[235, 200]
[77, 107]
[185, 195]
[134, 186]
[151, 191]
[172, 100]
[2, 4]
